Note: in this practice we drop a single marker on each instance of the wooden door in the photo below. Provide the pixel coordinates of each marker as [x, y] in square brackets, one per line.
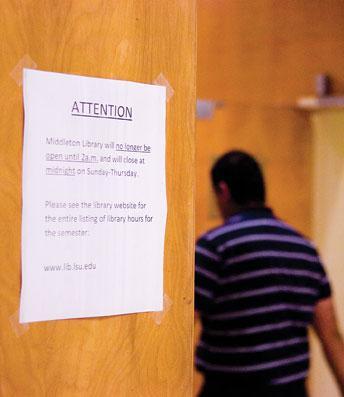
[132, 355]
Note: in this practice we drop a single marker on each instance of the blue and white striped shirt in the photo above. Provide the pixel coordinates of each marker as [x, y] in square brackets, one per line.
[257, 283]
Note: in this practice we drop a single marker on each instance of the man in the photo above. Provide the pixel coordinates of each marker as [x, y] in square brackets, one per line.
[259, 286]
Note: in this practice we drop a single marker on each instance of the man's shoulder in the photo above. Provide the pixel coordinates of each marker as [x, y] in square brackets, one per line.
[210, 237]
[292, 231]
[271, 228]
[246, 226]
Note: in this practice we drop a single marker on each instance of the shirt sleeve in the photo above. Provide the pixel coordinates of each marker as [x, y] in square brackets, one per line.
[207, 264]
[324, 287]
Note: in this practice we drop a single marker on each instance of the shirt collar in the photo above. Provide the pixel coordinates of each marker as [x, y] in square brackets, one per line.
[250, 213]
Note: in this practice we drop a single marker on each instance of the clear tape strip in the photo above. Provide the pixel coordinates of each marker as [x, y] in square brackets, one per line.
[17, 71]
[159, 316]
[18, 328]
[161, 80]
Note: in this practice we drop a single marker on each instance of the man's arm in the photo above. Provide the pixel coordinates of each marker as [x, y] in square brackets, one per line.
[326, 327]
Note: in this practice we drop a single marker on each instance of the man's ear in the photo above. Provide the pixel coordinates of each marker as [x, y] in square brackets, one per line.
[224, 191]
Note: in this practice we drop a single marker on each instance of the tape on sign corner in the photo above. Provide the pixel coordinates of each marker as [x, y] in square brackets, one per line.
[17, 71]
[18, 328]
[161, 80]
[159, 316]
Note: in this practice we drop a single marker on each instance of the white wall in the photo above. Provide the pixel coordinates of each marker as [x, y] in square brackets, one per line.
[328, 225]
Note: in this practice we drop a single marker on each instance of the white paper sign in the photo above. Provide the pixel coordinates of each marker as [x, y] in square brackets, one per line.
[94, 197]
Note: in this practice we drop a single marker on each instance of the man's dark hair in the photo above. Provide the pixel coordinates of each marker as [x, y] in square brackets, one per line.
[243, 176]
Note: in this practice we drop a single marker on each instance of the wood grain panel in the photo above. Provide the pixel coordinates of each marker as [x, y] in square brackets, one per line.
[268, 51]
[122, 355]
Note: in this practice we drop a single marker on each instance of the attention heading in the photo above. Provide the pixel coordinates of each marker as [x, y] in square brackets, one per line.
[102, 110]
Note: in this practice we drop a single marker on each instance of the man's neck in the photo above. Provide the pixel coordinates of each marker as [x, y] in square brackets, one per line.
[235, 208]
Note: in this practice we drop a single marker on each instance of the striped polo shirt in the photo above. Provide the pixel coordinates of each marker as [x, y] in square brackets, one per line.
[257, 283]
